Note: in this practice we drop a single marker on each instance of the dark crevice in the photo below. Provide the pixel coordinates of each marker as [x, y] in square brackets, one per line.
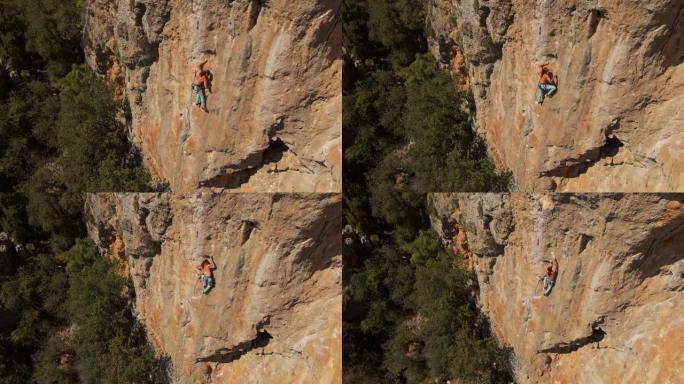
[228, 355]
[156, 247]
[5, 81]
[240, 173]
[247, 228]
[584, 241]
[597, 334]
[274, 152]
[483, 12]
[487, 219]
[234, 176]
[142, 217]
[447, 229]
[575, 167]
[139, 11]
[254, 11]
[447, 47]
[610, 148]
[105, 234]
[595, 17]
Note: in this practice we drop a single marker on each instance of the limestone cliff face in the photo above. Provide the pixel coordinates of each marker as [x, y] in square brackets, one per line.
[615, 122]
[274, 121]
[275, 313]
[616, 312]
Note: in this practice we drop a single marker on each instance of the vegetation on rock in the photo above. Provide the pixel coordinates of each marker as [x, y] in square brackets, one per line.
[409, 307]
[64, 313]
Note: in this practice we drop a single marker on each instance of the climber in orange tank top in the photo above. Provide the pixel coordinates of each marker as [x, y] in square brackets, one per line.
[550, 278]
[200, 85]
[547, 84]
[206, 274]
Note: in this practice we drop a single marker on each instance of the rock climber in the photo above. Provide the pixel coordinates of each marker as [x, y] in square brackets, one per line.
[548, 83]
[550, 277]
[199, 85]
[206, 274]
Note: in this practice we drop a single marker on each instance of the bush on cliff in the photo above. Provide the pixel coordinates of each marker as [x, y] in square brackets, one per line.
[106, 337]
[408, 311]
[61, 139]
[59, 121]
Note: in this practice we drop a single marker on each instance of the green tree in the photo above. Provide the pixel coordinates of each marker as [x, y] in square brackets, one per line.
[457, 341]
[12, 37]
[62, 140]
[406, 131]
[30, 311]
[444, 155]
[53, 31]
[398, 26]
[93, 144]
[55, 362]
[404, 355]
[106, 339]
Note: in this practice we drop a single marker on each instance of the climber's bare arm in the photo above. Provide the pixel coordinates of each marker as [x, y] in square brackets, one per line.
[213, 265]
[555, 264]
[200, 66]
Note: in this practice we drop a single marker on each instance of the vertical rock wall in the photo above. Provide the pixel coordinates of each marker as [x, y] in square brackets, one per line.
[275, 313]
[615, 122]
[616, 312]
[274, 121]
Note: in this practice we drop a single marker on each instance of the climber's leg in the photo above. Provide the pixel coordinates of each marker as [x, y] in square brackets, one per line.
[209, 285]
[548, 285]
[202, 98]
[197, 90]
[551, 89]
[540, 93]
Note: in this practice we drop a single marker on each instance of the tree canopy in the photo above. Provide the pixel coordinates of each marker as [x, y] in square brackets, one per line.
[65, 316]
[409, 312]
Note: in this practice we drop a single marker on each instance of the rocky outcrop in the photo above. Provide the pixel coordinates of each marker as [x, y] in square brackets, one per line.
[615, 122]
[616, 312]
[274, 121]
[275, 313]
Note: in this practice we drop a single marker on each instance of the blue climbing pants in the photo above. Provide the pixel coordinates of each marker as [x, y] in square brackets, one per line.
[544, 90]
[207, 283]
[548, 285]
[201, 98]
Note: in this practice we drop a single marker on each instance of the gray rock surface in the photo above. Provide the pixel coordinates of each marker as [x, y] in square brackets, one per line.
[275, 312]
[616, 312]
[615, 123]
[274, 121]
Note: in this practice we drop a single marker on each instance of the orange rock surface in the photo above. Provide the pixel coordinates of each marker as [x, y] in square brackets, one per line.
[274, 121]
[275, 312]
[614, 123]
[616, 311]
